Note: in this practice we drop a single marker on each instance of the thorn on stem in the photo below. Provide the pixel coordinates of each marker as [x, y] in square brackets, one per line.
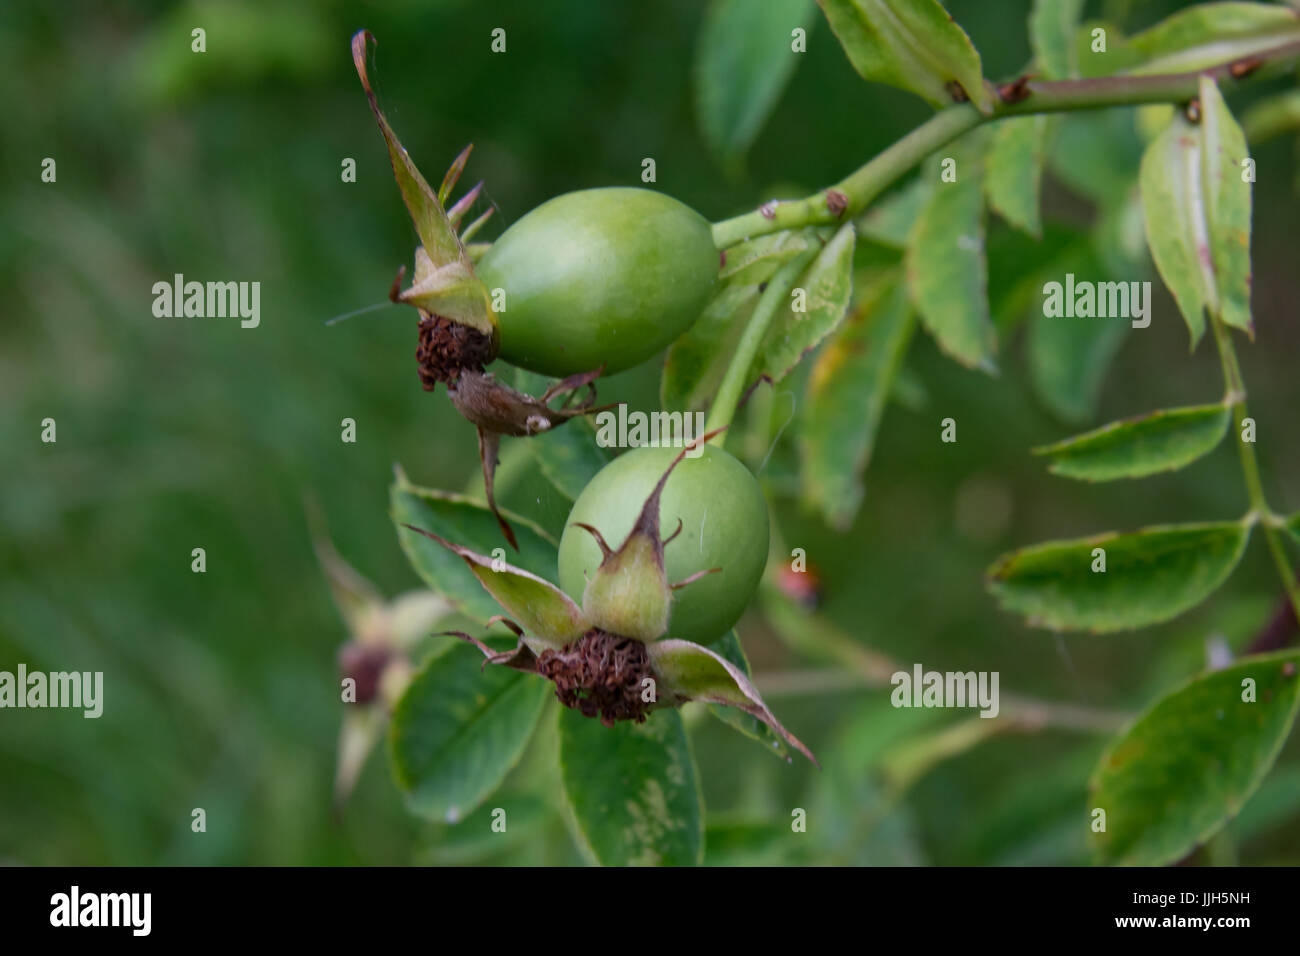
[1243, 68]
[1016, 90]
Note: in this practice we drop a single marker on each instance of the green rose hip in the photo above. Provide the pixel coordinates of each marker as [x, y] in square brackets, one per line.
[617, 651]
[590, 279]
[591, 282]
[724, 524]
[599, 277]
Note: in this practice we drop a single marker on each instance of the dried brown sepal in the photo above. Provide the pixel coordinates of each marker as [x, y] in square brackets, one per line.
[680, 525]
[496, 409]
[507, 623]
[520, 658]
[601, 675]
[605, 549]
[836, 202]
[395, 290]
[488, 444]
[491, 404]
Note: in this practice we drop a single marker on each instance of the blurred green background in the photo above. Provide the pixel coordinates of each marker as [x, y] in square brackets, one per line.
[221, 688]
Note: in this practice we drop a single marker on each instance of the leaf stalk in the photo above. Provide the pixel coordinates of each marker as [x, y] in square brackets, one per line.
[733, 381]
[851, 195]
[1250, 463]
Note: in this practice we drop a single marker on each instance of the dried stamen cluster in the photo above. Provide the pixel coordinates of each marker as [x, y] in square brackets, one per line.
[601, 674]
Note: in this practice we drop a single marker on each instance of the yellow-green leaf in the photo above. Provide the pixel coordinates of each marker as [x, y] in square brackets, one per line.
[757, 260]
[947, 269]
[814, 308]
[1173, 207]
[1149, 576]
[1164, 440]
[697, 361]
[1196, 204]
[1014, 171]
[1207, 34]
[848, 387]
[1227, 205]
[1189, 764]
[911, 44]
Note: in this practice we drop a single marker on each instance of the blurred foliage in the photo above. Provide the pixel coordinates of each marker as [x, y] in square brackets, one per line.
[221, 690]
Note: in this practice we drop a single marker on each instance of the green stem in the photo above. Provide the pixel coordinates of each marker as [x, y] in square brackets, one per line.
[1026, 713]
[1250, 462]
[852, 195]
[859, 188]
[733, 383]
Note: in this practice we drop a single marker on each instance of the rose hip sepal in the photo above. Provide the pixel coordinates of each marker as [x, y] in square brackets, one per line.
[496, 409]
[610, 657]
[445, 284]
[458, 331]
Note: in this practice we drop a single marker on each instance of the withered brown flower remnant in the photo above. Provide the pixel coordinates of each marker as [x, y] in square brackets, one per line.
[602, 674]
